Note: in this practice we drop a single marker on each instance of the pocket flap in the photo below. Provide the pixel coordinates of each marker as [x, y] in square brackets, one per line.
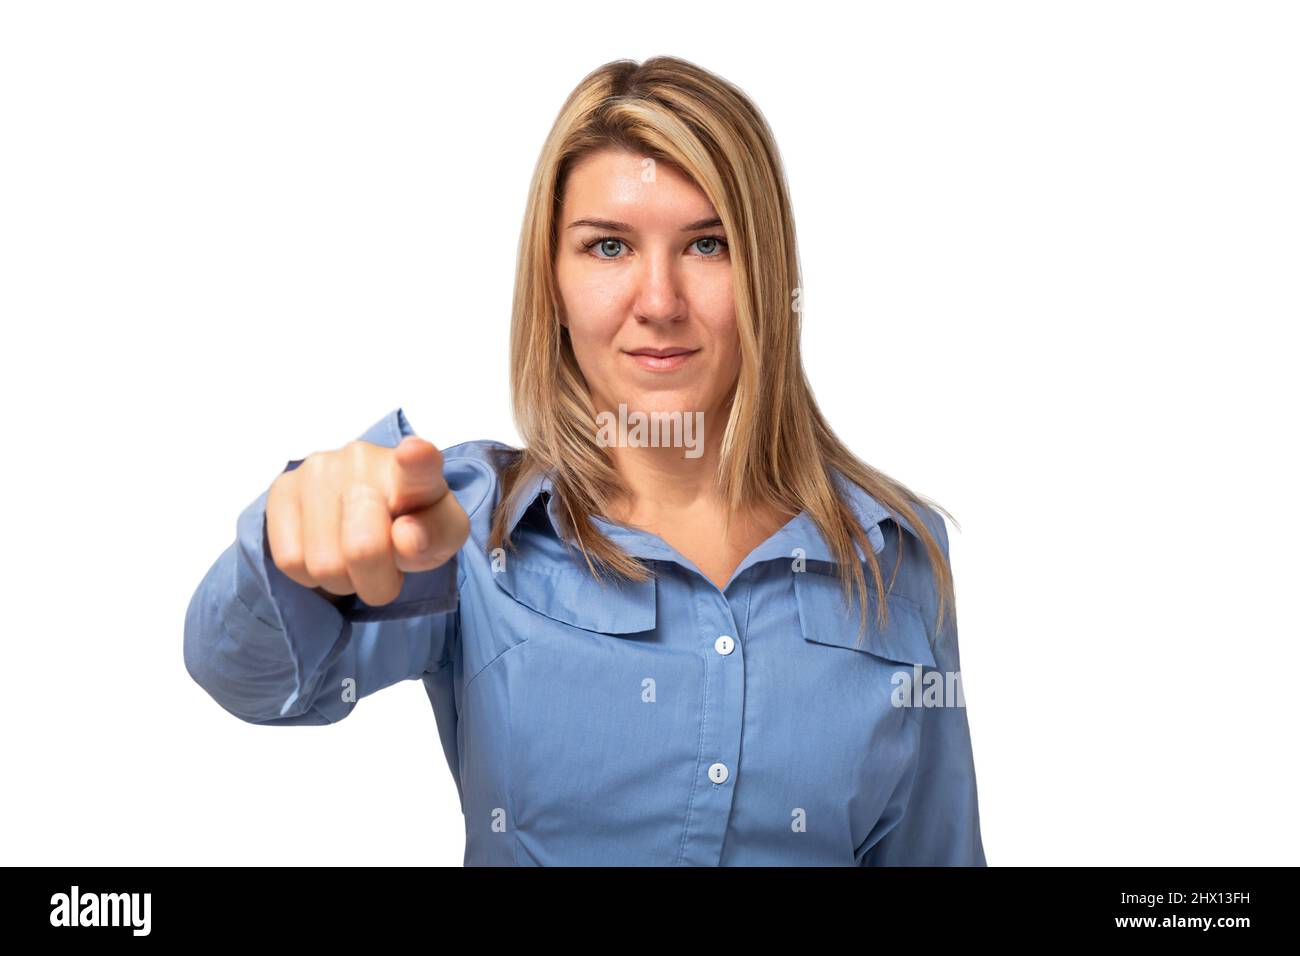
[826, 619]
[572, 595]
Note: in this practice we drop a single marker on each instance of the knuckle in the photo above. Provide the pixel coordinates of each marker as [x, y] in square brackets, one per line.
[320, 471]
[288, 557]
[365, 546]
[357, 454]
[360, 493]
[311, 465]
[283, 493]
[326, 566]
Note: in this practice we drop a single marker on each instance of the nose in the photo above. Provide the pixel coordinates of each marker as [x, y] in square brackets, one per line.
[659, 294]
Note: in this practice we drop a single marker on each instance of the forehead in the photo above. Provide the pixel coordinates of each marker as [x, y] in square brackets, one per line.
[616, 184]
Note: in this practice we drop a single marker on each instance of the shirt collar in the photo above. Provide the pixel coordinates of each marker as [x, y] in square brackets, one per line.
[798, 537]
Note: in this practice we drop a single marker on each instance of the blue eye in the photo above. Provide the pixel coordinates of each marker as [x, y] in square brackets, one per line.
[712, 252]
[602, 242]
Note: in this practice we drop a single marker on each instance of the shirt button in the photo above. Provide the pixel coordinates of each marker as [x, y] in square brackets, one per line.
[724, 645]
[718, 773]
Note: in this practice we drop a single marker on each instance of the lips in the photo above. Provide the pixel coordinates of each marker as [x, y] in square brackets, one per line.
[662, 353]
[661, 360]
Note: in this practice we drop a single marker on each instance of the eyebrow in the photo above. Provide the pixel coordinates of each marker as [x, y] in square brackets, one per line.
[712, 222]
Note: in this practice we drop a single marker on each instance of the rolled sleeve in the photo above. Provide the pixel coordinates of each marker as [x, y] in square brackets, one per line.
[272, 651]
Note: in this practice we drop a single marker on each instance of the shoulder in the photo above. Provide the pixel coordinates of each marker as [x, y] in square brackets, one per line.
[900, 545]
[871, 512]
[920, 574]
[935, 524]
[473, 472]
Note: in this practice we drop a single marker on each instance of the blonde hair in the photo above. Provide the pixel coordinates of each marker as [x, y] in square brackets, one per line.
[777, 448]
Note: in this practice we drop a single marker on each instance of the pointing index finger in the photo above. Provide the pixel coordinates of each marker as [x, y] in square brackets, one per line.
[415, 478]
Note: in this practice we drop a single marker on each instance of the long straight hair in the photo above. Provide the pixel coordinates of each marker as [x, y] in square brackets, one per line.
[777, 448]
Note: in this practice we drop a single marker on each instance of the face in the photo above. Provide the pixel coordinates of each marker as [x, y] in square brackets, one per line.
[644, 276]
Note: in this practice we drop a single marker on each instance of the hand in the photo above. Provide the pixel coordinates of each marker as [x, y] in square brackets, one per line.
[353, 520]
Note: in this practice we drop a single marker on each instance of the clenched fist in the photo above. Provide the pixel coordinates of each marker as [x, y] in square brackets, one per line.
[351, 521]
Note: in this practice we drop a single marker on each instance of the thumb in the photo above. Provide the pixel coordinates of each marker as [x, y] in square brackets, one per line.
[415, 478]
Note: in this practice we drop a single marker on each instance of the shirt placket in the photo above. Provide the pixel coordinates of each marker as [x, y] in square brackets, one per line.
[722, 723]
[718, 638]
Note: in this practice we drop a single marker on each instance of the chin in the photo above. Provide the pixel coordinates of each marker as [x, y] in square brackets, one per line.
[664, 401]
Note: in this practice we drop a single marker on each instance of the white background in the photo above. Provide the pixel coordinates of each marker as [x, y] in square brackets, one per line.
[1050, 257]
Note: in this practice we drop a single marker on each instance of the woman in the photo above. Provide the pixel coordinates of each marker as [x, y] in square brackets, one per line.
[640, 649]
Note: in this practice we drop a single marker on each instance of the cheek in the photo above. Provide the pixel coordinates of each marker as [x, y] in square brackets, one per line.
[588, 280]
[721, 321]
[591, 305]
[726, 340]
[592, 329]
[591, 337]
[710, 291]
[716, 306]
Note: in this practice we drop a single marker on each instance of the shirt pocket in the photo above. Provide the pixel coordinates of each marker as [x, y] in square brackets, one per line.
[825, 618]
[592, 767]
[861, 735]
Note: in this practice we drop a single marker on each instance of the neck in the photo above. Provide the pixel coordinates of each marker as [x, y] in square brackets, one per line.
[679, 475]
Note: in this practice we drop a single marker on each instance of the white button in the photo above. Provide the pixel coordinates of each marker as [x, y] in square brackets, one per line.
[718, 773]
[724, 645]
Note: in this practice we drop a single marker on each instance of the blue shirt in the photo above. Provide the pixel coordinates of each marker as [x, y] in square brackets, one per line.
[661, 723]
